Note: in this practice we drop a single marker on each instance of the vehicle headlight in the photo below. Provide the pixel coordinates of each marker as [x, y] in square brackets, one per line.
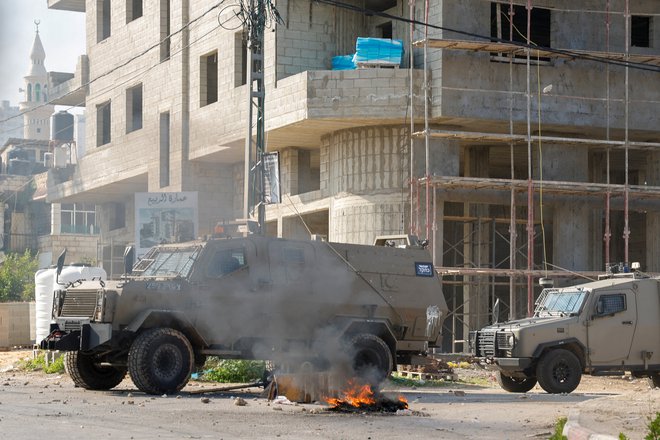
[511, 340]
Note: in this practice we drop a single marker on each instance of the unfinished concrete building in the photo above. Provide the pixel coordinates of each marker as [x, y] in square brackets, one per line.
[523, 163]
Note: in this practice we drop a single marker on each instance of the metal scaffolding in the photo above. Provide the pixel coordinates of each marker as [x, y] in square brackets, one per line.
[473, 260]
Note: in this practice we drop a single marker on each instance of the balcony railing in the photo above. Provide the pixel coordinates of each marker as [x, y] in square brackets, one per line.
[80, 229]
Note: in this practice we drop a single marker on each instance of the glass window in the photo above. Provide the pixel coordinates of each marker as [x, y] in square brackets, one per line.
[226, 261]
[610, 304]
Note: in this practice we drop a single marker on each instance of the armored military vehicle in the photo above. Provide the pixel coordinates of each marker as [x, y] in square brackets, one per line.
[605, 327]
[250, 297]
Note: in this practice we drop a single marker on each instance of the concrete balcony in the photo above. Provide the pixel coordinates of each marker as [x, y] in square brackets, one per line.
[70, 89]
[67, 5]
[304, 107]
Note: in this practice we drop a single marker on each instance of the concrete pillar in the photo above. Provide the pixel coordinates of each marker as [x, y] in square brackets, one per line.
[367, 174]
[570, 220]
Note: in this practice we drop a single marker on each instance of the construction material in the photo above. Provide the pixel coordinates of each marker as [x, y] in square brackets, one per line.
[378, 51]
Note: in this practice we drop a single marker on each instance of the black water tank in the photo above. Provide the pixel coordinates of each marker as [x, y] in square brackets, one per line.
[61, 126]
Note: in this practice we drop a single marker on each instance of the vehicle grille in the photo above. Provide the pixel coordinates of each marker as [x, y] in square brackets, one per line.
[79, 303]
[503, 341]
[485, 343]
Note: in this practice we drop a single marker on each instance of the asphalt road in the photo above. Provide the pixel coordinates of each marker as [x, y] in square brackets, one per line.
[39, 406]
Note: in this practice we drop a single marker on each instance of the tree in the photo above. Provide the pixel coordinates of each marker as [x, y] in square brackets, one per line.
[17, 277]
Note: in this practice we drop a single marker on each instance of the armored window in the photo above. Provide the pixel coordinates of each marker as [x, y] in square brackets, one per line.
[611, 304]
[225, 262]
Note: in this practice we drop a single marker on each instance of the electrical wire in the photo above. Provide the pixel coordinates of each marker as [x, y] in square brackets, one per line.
[119, 66]
[565, 52]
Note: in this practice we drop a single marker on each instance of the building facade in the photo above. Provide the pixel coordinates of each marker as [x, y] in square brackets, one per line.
[517, 166]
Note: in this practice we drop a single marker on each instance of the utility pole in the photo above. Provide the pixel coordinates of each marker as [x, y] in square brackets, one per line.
[253, 188]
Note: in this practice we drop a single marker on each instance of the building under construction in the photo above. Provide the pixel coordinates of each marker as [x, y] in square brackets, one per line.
[518, 137]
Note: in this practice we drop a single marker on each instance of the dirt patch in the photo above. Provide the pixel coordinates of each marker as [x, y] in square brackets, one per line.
[9, 358]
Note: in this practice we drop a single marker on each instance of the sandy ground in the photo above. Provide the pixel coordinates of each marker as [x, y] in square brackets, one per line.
[40, 405]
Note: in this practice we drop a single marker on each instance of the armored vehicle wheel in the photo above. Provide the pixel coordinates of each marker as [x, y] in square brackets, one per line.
[86, 373]
[559, 371]
[372, 358]
[515, 384]
[654, 378]
[160, 361]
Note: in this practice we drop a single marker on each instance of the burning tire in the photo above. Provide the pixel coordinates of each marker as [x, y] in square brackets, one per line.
[515, 384]
[85, 371]
[559, 371]
[372, 358]
[160, 361]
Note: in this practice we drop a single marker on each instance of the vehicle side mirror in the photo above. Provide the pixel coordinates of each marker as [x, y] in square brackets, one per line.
[129, 259]
[60, 265]
[599, 307]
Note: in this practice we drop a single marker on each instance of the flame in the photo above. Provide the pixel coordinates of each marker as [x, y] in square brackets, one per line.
[354, 395]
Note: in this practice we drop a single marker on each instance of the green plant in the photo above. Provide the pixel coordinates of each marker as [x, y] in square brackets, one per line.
[17, 277]
[39, 363]
[56, 366]
[559, 429]
[622, 436]
[233, 371]
[654, 428]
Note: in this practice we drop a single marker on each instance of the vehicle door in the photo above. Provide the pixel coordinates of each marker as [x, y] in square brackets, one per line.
[230, 304]
[611, 326]
[294, 275]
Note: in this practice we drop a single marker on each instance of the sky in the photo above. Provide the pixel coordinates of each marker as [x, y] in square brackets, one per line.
[62, 34]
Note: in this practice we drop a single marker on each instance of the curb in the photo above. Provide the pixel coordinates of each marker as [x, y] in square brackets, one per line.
[573, 430]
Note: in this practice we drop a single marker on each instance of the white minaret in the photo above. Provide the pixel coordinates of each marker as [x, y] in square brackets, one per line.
[36, 120]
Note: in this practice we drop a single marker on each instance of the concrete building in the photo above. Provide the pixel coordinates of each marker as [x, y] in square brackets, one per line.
[520, 166]
[10, 124]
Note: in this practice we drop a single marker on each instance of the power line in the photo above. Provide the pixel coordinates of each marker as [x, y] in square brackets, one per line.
[125, 63]
[565, 52]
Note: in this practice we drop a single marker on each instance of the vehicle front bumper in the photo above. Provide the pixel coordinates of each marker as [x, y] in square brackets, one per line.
[89, 336]
[513, 364]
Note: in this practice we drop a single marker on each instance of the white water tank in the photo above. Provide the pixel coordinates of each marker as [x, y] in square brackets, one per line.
[45, 285]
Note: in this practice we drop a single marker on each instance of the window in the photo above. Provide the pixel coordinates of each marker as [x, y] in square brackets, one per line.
[103, 116]
[37, 92]
[117, 216]
[78, 218]
[225, 262]
[209, 78]
[102, 20]
[133, 10]
[29, 92]
[385, 30]
[44, 93]
[500, 26]
[640, 31]
[165, 30]
[164, 149]
[134, 108]
[240, 59]
[611, 304]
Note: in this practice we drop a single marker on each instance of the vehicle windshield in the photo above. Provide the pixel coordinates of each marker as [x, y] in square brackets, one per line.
[167, 262]
[554, 302]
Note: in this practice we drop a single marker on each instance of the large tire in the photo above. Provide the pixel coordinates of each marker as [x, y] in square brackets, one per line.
[515, 384]
[371, 357]
[654, 378]
[160, 361]
[559, 371]
[86, 373]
